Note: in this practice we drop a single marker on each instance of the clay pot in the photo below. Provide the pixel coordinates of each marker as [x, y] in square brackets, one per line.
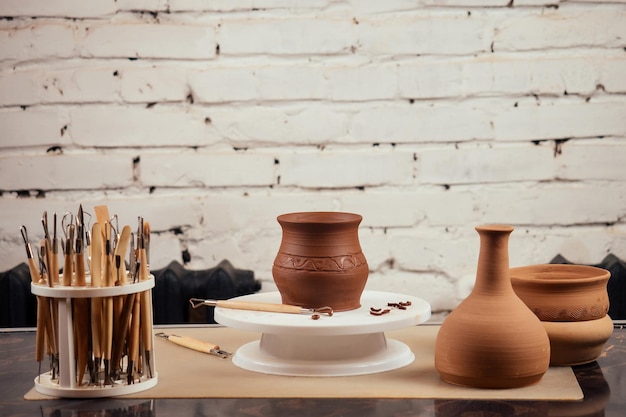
[556, 292]
[577, 342]
[320, 261]
[492, 340]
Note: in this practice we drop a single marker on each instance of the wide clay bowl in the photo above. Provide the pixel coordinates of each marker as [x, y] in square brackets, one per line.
[556, 292]
[320, 261]
[577, 342]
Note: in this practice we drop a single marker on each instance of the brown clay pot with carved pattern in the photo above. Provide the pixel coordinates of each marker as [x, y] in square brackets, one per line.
[563, 292]
[320, 261]
[572, 303]
[492, 339]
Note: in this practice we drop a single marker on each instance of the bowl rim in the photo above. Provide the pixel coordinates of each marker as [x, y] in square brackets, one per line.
[529, 273]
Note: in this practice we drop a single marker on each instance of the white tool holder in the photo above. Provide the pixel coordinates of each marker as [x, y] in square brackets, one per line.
[66, 385]
[347, 343]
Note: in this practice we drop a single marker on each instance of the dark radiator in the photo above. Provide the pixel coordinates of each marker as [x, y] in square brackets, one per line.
[175, 285]
[18, 306]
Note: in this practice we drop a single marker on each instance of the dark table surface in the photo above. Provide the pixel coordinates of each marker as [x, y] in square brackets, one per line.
[603, 383]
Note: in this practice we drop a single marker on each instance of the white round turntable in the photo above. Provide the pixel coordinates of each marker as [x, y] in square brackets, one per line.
[346, 343]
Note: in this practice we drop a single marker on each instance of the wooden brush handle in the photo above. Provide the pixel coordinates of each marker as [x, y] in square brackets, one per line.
[121, 250]
[34, 270]
[81, 279]
[107, 328]
[133, 341]
[40, 337]
[96, 255]
[67, 271]
[96, 326]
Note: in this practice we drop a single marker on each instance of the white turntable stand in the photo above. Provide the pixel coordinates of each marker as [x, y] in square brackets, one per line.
[348, 343]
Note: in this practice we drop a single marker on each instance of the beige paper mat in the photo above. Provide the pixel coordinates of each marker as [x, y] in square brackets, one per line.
[184, 373]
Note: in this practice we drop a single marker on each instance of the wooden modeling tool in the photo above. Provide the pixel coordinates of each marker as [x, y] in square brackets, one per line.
[268, 307]
[55, 252]
[81, 305]
[42, 312]
[195, 344]
[133, 340]
[146, 299]
[68, 263]
[120, 253]
[96, 302]
[107, 308]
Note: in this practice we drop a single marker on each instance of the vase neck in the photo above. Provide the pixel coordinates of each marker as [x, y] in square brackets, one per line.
[492, 274]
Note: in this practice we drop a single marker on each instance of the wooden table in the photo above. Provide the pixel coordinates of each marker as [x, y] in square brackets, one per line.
[603, 383]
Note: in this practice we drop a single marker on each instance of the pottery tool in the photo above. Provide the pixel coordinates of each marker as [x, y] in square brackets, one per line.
[195, 344]
[146, 299]
[52, 325]
[132, 260]
[107, 307]
[146, 242]
[55, 251]
[79, 264]
[120, 253]
[50, 313]
[117, 277]
[43, 264]
[96, 302]
[122, 332]
[81, 305]
[107, 337]
[107, 262]
[68, 249]
[52, 266]
[32, 266]
[102, 219]
[87, 229]
[133, 340]
[46, 255]
[82, 334]
[268, 307]
[96, 255]
[102, 215]
[68, 264]
[40, 337]
[119, 337]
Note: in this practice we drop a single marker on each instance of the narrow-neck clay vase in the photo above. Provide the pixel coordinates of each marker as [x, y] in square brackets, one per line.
[320, 261]
[492, 340]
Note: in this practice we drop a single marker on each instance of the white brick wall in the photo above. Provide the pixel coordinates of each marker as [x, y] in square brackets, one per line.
[426, 117]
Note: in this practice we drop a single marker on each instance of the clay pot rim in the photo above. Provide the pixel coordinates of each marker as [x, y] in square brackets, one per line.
[557, 274]
[494, 227]
[319, 217]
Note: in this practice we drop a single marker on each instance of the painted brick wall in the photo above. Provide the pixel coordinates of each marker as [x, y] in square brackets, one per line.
[210, 118]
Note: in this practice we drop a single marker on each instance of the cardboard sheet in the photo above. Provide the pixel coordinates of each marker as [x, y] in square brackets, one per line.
[185, 373]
